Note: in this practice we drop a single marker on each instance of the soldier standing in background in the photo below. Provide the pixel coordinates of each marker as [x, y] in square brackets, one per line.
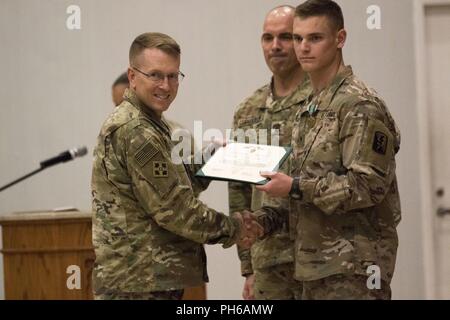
[268, 267]
[118, 88]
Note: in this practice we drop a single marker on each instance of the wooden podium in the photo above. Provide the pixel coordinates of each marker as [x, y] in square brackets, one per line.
[49, 255]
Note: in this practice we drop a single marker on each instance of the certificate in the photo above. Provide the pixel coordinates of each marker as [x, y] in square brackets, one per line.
[242, 162]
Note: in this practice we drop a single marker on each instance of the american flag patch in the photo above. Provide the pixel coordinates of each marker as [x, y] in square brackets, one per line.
[146, 153]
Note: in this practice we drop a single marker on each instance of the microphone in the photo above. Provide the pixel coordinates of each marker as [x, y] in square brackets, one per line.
[64, 156]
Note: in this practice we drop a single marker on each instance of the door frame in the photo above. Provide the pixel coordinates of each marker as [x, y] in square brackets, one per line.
[427, 206]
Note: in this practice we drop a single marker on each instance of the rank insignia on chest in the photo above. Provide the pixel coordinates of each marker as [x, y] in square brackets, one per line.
[160, 169]
[380, 141]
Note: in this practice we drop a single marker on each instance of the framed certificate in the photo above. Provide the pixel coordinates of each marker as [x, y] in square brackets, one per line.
[242, 162]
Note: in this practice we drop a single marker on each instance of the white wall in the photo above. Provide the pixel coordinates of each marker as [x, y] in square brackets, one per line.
[55, 93]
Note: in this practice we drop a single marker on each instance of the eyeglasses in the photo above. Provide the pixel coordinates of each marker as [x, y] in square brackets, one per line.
[158, 77]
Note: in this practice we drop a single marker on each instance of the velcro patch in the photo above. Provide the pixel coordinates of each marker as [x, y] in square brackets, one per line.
[248, 121]
[146, 154]
[160, 169]
[380, 142]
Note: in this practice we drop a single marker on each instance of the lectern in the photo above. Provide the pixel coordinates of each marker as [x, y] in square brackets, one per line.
[49, 255]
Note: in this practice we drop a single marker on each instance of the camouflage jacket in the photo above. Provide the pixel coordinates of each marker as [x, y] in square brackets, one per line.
[345, 142]
[261, 111]
[148, 226]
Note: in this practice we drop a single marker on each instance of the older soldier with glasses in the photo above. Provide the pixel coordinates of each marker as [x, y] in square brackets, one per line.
[148, 226]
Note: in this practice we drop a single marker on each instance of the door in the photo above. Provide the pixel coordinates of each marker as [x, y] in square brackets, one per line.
[437, 35]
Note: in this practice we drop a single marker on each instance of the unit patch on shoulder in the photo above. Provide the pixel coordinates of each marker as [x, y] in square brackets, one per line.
[160, 169]
[380, 142]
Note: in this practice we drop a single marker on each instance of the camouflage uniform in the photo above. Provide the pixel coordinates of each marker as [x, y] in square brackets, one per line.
[148, 226]
[343, 287]
[155, 295]
[345, 142]
[199, 185]
[271, 259]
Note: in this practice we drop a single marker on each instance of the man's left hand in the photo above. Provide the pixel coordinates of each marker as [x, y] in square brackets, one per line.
[278, 186]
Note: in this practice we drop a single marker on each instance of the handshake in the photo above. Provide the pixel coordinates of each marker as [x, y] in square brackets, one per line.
[250, 228]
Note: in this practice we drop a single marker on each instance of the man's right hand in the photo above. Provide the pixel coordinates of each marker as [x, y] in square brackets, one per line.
[250, 231]
[248, 293]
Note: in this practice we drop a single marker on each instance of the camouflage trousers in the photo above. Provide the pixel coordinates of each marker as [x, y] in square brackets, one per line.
[277, 283]
[344, 287]
[155, 295]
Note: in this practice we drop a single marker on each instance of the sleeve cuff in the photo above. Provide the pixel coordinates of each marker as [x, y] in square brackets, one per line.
[235, 230]
[246, 268]
[308, 189]
[245, 256]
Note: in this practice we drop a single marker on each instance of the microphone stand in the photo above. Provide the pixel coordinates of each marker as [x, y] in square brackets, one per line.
[21, 178]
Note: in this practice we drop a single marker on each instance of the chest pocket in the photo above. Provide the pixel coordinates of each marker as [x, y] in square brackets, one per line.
[321, 149]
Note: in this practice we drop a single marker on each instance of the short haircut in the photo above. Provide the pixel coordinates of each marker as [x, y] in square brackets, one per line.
[282, 6]
[157, 40]
[122, 79]
[328, 8]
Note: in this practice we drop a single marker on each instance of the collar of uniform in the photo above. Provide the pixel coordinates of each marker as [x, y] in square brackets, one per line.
[329, 92]
[299, 95]
[264, 96]
[132, 98]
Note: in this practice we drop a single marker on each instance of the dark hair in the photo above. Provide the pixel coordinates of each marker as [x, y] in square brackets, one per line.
[122, 79]
[153, 40]
[328, 8]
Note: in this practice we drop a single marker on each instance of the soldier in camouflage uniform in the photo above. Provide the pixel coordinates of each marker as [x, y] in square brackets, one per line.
[268, 266]
[118, 88]
[343, 186]
[148, 226]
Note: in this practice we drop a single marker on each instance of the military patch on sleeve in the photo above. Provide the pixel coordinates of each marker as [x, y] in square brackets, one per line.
[146, 154]
[160, 169]
[380, 142]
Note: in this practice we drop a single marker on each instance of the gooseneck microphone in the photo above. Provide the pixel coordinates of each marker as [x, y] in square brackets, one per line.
[62, 157]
